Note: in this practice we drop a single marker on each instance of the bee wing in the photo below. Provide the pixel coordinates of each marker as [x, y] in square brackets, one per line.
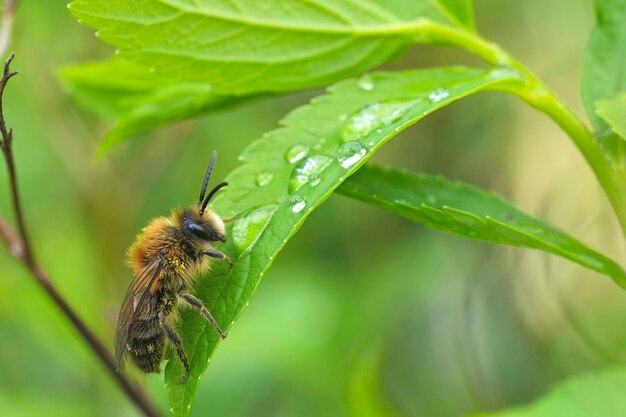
[137, 304]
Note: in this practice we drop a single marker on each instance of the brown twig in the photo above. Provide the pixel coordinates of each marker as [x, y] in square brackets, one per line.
[20, 247]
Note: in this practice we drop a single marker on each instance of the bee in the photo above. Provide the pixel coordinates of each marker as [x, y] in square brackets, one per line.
[166, 257]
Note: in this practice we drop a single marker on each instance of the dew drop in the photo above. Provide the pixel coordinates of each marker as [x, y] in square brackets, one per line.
[314, 180]
[296, 153]
[264, 178]
[373, 117]
[319, 144]
[302, 173]
[501, 72]
[249, 226]
[366, 82]
[438, 94]
[297, 204]
[350, 153]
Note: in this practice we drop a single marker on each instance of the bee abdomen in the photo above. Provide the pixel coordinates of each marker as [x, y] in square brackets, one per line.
[146, 349]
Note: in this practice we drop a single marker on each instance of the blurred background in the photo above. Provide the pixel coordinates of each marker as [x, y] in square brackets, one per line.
[363, 314]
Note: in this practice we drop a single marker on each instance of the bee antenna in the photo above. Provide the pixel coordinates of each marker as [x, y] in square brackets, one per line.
[211, 194]
[207, 176]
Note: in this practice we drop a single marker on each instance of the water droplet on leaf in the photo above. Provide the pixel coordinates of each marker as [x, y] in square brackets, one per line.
[350, 153]
[249, 226]
[297, 204]
[264, 178]
[319, 144]
[499, 73]
[296, 153]
[373, 117]
[366, 82]
[302, 173]
[438, 94]
[314, 180]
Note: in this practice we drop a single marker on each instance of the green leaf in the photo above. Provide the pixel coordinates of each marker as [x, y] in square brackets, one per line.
[613, 111]
[604, 63]
[136, 99]
[593, 395]
[246, 46]
[467, 211]
[291, 171]
[459, 11]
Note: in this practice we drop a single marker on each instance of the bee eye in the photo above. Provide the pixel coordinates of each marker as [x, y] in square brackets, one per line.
[198, 231]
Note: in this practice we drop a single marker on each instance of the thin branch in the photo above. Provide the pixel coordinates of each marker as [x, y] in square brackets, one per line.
[7, 151]
[20, 247]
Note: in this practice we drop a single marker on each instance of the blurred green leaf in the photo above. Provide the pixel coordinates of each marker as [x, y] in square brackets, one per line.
[365, 399]
[248, 46]
[613, 111]
[28, 404]
[136, 99]
[595, 395]
[467, 211]
[604, 61]
[291, 171]
[459, 11]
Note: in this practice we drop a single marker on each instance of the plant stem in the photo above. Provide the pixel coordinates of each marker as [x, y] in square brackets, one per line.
[20, 247]
[541, 97]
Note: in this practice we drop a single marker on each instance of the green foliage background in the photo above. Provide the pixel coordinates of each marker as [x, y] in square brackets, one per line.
[363, 313]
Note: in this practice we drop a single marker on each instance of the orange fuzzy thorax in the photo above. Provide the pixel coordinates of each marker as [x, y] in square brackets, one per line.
[164, 238]
[153, 240]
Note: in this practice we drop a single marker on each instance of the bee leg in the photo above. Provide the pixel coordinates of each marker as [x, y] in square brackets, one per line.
[175, 340]
[197, 303]
[217, 255]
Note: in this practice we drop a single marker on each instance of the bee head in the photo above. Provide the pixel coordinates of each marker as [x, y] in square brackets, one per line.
[199, 223]
[205, 227]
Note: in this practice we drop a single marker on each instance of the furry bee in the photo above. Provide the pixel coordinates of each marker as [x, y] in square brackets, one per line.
[166, 257]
